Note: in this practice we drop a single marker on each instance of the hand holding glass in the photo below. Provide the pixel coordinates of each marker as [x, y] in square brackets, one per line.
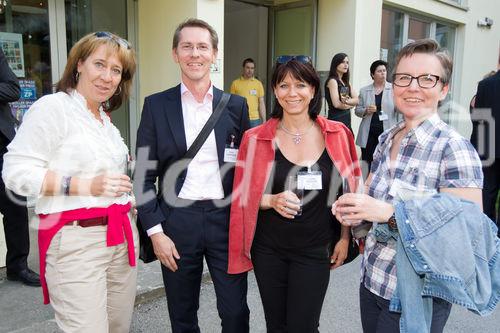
[353, 184]
[292, 185]
[344, 93]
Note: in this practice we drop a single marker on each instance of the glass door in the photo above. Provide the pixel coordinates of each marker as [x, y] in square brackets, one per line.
[292, 32]
[25, 41]
[85, 16]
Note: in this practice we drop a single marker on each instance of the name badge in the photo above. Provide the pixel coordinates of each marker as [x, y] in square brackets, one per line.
[383, 116]
[309, 180]
[253, 92]
[230, 155]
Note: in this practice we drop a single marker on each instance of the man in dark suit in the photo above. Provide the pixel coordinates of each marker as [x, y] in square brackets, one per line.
[15, 215]
[187, 218]
[488, 97]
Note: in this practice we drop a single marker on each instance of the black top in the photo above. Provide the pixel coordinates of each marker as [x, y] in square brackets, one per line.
[341, 115]
[376, 123]
[314, 227]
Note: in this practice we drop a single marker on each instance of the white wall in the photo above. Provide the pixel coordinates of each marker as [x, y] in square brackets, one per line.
[157, 20]
[352, 27]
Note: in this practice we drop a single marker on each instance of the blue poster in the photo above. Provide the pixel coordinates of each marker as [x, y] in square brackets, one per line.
[28, 97]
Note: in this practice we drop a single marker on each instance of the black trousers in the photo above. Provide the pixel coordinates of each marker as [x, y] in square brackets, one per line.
[371, 144]
[292, 286]
[376, 317]
[16, 228]
[201, 230]
[491, 187]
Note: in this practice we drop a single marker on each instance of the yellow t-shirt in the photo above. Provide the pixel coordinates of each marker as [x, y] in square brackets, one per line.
[252, 90]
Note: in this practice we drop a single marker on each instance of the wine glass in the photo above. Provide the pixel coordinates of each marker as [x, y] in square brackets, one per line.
[344, 92]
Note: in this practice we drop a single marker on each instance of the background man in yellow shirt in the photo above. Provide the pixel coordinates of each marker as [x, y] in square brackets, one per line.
[251, 88]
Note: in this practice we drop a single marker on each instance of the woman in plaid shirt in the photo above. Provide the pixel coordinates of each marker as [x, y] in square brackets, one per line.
[417, 157]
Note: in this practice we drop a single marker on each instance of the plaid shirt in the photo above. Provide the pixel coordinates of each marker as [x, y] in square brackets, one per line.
[431, 156]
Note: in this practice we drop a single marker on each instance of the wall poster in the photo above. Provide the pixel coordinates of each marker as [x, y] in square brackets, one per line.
[12, 46]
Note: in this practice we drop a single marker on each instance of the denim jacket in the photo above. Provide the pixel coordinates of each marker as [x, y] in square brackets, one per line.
[447, 248]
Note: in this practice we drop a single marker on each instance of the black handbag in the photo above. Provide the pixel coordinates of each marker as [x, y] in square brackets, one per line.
[146, 250]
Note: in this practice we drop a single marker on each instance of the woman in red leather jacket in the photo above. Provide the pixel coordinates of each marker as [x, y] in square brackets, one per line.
[290, 243]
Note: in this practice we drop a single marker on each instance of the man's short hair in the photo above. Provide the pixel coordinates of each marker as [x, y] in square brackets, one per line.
[195, 23]
[247, 60]
[428, 46]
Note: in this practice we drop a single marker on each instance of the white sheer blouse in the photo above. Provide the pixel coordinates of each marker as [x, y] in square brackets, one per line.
[59, 133]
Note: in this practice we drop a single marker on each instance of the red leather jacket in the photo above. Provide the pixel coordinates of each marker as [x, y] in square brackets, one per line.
[252, 172]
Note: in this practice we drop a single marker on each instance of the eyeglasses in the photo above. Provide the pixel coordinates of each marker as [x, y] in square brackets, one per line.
[283, 59]
[122, 42]
[425, 81]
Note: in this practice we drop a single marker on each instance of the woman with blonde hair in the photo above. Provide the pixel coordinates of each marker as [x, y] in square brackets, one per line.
[69, 155]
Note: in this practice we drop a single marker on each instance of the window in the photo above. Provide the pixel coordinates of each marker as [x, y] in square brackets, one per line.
[400, 28]
[24, 39]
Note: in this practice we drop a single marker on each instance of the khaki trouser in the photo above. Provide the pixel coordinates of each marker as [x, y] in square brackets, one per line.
[92, 287]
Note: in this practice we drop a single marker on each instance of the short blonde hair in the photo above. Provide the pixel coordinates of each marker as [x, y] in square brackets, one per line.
[88, 45]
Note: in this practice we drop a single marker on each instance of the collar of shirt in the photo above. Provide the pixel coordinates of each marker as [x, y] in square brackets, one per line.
[82, 102]
[186, 93]
[242, 78]
[423, 132]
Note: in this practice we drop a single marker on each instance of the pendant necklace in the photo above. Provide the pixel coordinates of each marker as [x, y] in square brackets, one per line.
[296, 137]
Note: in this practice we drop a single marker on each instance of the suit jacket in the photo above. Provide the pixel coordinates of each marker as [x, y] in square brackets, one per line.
[367, 97]
[161, 139]
[488, 96]
[9, 92]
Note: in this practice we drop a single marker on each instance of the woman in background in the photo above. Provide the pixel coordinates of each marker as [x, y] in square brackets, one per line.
[376, 107]
[339, 94]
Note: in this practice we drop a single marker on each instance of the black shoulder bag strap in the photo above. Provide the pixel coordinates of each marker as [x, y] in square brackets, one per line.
[201, 138]
[209, 126]
[146, 253]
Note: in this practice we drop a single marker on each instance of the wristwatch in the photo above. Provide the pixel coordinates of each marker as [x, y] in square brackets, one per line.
[392, 222]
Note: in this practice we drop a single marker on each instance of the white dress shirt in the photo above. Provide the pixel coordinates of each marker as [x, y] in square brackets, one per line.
[203, 180]
[59, 133]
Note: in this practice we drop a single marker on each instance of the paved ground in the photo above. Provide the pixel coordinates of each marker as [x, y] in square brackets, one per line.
[340, 311]
[21, 308]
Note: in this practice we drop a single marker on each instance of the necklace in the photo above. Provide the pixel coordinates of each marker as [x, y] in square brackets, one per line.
[296, 137]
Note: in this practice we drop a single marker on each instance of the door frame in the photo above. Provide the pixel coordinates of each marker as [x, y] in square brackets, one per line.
[59, 56]
[271, 39]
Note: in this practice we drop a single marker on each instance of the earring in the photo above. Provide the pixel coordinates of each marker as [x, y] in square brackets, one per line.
[77, 76]
[119, 91]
